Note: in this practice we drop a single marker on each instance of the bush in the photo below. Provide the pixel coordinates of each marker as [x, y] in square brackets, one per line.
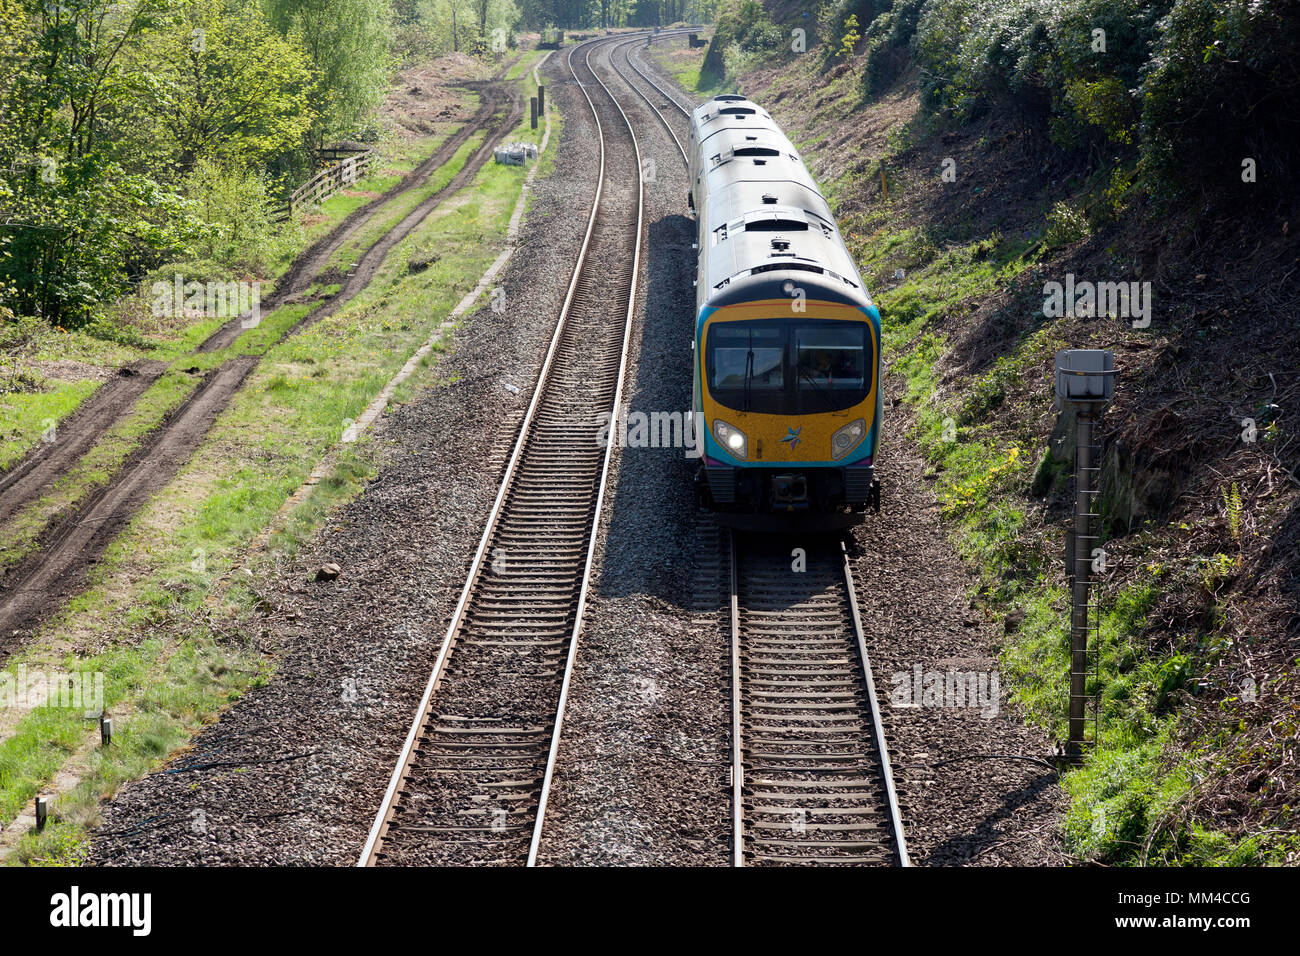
[833, 23]
[1066, 225]
[234, 206]
[762, 37]
[1194, 88]
[1053, 64]
[1223, 88]
[889, 38]
[743, 31]
[20, 331]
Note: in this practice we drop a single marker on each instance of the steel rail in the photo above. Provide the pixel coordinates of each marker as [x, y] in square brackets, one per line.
[668, 94]
[886, 771]
[384, 815]
[737, 718]
[834, 706]
[627, 57]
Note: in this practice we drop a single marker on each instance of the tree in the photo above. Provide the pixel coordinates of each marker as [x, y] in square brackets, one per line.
[347, 44]
[76, 218]
[216, 80]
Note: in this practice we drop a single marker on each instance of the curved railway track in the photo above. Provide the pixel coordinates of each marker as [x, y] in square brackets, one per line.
[650, 101]
[810, 769]
[472, 780]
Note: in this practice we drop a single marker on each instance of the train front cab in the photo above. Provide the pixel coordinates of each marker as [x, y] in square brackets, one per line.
[790, 407]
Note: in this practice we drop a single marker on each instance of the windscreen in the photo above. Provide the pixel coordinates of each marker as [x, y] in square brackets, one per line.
[789, 366]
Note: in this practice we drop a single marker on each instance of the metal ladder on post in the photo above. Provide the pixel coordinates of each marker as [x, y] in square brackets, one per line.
[1085, 383]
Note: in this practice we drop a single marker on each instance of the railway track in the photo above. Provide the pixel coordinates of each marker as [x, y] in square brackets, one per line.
[472, 780]
[810, 769]
[664, 97]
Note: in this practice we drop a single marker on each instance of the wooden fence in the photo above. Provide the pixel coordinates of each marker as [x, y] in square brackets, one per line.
[345, 168]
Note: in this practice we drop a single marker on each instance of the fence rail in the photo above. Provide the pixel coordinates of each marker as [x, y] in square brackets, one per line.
[345, 168]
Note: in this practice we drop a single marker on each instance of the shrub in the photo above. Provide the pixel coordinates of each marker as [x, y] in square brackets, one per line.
[742, 31]
[1223, 88]
[234, 206]
[763, 36]
[889, 38]
[1066, 225]
[1074, 62]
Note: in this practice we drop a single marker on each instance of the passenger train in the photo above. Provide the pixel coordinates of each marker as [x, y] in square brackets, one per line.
[787, 339]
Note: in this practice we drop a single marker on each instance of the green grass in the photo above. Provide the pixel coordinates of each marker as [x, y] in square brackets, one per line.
[525, 65]
[170, 690]
[101, 463]
[97, 467]
[27, 416]
[690, 79]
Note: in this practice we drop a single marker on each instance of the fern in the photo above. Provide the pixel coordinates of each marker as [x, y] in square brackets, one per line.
[1232, 506]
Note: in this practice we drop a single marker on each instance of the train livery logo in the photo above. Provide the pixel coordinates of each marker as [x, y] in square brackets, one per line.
[793, 436]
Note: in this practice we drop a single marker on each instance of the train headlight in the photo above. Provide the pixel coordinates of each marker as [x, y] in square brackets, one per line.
[848, 438]
[731, 438]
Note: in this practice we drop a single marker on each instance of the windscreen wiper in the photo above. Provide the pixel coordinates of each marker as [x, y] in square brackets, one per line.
[749, 375]
[825, 396]
[749, 368]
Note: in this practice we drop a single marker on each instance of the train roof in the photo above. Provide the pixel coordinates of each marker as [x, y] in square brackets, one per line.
[728, 108]
[763, 221]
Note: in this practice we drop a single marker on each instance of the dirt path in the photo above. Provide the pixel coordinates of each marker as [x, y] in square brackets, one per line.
[53, 574]
[510, 110]
[67, 550]
[312, 262]
[35, 474]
